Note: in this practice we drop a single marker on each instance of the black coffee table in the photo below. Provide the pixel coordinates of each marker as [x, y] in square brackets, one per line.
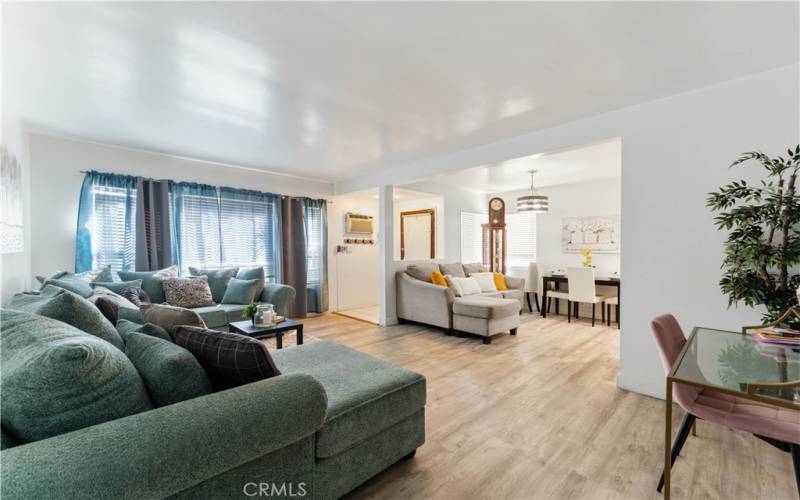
[262, 331]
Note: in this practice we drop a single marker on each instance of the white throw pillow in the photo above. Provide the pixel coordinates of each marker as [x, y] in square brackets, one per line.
[485, 281]
[463, 286]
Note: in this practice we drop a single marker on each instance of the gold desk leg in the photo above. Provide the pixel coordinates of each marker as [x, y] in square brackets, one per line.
[667, 439]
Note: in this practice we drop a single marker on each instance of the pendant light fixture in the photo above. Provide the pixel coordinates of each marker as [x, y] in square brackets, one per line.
[533, 202]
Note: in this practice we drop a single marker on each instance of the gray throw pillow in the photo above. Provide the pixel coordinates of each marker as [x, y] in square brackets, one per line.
[126, 327]
[58, 379]
[217, 279]
[240, 291]
[188, 292]
[60, 304]
[454, 269]
[151, 281]
[229, 359]
[253, 273]
[168, 317]
[422, 272]
[475, 267]
[170, 372]
[117, 286]
[71, 283]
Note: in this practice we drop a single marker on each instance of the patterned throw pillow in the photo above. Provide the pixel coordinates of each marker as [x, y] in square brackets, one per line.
[229, 359]
[187, 292]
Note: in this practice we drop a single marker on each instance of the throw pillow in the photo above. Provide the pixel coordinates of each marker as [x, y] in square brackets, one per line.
[151, 281]
[126, 327]
[188, 292]
[71, 283]
[108, 307]
[170, 372]
[229, 359]
[101, 274]
[240, 291]
[455, 269]
[217, 279]
[117, 286]
[485, 281]
[168, 317]
[58, 379]
[463, 286]
[422, 272]
[500, 282]
[437, 278]
[60, 304]
[42, 279]
[254, 273]
[475, 267]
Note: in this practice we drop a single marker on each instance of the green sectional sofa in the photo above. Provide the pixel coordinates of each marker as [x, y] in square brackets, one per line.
[332, 419]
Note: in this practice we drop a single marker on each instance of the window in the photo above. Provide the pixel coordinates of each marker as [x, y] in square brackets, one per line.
[248, 229]
[197, 230]
[521, 239]
[315, 244]
[112, 228]
[472, 236]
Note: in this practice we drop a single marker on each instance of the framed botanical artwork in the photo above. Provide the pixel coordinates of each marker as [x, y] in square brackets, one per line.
[11, 236]
[600, 233]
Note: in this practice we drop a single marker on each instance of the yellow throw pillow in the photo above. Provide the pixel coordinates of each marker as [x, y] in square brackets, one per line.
[500, 282]
[437, 278]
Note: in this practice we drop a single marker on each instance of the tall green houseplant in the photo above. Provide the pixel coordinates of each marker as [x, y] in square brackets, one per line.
[763, 245]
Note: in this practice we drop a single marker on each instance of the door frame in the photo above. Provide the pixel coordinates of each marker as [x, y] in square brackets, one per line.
[429, 211]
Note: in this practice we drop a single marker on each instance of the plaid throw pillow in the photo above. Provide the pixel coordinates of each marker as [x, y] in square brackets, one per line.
[229, 359]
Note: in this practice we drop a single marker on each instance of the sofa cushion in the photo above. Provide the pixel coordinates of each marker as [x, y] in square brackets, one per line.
[117, 286]
[187, 292]
[365, 394]
[475, 267]
[463, 286]
[168, 317]
[217, 279]
[240, 291]
[170, 372]
[454, 269]
[254, 273]
[213, 316]
[422, 271]
[518, 295]
[229, 359]
[125, 328]
[72, 283]
[485, 307]
[58, 379]
[485, 281]
[62, 305]
[151, 281]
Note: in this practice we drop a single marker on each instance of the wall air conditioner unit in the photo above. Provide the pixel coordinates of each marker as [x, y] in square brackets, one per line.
[358, 224]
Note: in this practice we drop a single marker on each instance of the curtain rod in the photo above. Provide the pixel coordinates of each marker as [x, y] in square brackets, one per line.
[330, 202]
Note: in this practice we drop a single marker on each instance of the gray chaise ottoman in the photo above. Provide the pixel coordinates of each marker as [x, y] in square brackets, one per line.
[486, 316]
[376, 413]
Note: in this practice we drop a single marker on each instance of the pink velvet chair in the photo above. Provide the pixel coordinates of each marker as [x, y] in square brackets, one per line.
[779, 427]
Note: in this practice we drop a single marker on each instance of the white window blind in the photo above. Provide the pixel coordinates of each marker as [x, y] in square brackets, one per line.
[471, 236]
[199, 234]
[521, 239]
[314, 245]
[248, 233]
[113, 228]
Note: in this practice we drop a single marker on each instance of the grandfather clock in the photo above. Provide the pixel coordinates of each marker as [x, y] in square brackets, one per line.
[494, 237]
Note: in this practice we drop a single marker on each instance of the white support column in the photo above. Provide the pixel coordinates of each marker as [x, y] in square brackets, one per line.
[386, 290]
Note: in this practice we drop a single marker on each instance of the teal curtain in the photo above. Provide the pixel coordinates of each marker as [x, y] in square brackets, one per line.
[249, 230]
[315, 224]
[105, 233]
[195, 225]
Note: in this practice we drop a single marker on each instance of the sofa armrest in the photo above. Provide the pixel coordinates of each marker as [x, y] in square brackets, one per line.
[279, 296]
[161, 452]
[424, 302]
[514, 283]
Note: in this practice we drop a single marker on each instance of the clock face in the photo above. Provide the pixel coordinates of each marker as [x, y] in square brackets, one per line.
[496, 204]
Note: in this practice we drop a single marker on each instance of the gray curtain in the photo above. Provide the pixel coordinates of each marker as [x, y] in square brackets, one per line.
[293, 254]
[153, 229]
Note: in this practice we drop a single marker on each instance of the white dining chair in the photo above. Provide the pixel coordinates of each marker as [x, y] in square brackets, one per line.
[533, 284]
[612, 301]
[582, 290]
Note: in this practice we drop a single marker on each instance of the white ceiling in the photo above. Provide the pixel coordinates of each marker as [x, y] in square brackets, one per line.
[400, 194]
[332, 89]
[602, 160]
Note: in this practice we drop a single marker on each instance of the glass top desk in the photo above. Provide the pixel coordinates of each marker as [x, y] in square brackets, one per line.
[734, 363]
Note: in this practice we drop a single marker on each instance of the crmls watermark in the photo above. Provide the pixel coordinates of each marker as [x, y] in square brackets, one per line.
[270, 489]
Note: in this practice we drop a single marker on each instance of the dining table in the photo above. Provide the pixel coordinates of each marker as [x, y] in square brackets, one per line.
[733, 363]
[556, 279]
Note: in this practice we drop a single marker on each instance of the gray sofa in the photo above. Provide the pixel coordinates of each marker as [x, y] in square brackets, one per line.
[419, 300]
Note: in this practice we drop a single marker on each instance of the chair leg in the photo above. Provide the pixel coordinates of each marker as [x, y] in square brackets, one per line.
[528, 296]
[593, 313]
[603, 312]
[536, 301]
[549, 304]
[795, 451]
[577, 307]
[569, 312]
[677, 445]
[608, 315]
[618, 323]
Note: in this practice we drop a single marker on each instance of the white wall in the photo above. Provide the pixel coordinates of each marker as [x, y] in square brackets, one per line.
[15, 268]
[55, 182]
[352, 277]
[674, 151]
[437, 203]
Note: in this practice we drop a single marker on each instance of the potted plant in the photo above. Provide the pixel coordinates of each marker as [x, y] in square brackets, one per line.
[250, 312]
[762, 249]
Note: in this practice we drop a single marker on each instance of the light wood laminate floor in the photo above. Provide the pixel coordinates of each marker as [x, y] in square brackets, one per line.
[539, 416]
